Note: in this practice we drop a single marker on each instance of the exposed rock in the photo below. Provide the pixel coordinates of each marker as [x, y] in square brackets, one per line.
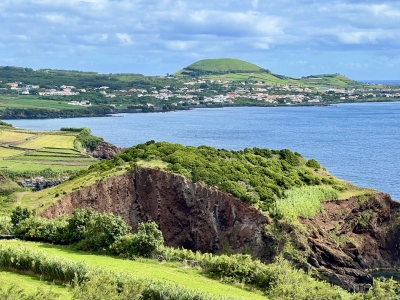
[40, 183]
[105, 150]
[190, 215]
[366, 236]
[349, 237]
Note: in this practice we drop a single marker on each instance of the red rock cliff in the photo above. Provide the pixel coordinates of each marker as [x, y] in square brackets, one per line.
[190, 215]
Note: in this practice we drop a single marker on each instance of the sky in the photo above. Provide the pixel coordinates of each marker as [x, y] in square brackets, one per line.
[358, 39]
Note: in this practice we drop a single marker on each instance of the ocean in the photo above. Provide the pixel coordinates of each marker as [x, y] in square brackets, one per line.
[357, 142]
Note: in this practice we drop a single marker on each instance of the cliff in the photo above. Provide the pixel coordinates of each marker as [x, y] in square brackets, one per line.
[338, 245]
[355, 237]
[104, 150]
[190, 215]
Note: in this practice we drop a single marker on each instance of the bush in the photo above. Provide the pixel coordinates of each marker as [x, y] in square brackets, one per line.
[143, 243]
[18, 214]
[100, 231]
[41, 229]
[5, 225]
[312, 163]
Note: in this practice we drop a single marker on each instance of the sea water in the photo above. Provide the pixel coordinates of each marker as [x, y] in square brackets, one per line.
[358, 142]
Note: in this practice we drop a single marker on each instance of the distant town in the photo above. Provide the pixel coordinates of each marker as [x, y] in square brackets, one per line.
[192, 92]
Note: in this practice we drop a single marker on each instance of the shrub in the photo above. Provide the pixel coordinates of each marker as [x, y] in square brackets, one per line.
[41, 229]
[5, 225]
[312, 163]
[143, 243]
[18, 214]
[101, 231]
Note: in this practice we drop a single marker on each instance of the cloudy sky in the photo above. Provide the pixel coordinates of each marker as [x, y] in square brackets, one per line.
[359, 39]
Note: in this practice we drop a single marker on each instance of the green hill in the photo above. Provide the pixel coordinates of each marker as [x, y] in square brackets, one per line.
[220, 66]
[238, 70]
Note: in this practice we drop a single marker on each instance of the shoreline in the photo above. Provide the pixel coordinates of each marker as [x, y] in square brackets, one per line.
[136, 111]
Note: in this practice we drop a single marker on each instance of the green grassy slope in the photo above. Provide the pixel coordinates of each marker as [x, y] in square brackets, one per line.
[147, 268]
[224, 65]
[237, 70]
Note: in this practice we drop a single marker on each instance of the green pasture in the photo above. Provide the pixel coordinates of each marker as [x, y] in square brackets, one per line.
[13, 136]
[33, 102]
[47, 140]
[6, 152]
[55, 154]
[176, 273]
[60, 151]
[31, 284]
[8, 163]
[63, 161]
[22, 166]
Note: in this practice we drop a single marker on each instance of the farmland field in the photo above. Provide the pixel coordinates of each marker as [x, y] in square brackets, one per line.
[13, 136]
[55, 141]
[5, 152]
[30, 102]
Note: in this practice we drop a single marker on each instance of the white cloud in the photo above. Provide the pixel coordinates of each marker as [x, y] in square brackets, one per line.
[186, 30]
[124, 38]
[180, 45]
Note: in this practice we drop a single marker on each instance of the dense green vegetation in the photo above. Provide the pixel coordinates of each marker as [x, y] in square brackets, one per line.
[256, 176]
[48, 78]
[43, 113]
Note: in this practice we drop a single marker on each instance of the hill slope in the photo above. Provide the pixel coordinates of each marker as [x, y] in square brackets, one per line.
[220, 66]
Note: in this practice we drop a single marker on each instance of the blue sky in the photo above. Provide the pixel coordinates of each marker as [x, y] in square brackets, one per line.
[359, 39]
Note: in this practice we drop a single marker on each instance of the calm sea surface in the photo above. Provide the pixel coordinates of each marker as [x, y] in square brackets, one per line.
[356, 142]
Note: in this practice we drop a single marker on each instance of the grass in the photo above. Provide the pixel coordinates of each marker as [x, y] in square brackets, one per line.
[33, 102]
[21, 167]
[58, 151]
[305, 201]
[269, 78]
[224, 65]
[13, 136]
[146, 268]
[55, 158]
[31, 284]
[5, 152]
[47, 140]
[156, 164]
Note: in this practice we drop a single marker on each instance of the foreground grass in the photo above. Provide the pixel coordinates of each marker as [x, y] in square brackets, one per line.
[31, 284]
[146, 268]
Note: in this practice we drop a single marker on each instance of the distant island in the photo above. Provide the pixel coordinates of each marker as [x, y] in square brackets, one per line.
[46, 93]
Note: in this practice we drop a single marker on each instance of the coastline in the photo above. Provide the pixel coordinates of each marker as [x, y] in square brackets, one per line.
[115, 113]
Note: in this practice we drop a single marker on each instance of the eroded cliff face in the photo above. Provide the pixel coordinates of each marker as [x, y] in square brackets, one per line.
[339, 245]
[351, 238]
[190, 215]
[105, 150]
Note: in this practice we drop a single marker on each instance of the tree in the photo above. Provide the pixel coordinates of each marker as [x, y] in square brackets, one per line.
[19, 214]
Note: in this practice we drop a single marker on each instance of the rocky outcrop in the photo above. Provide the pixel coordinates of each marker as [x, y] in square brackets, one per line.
[339, 245]
[40, 183]
[190, 215]
[105, 150]
[352, 237]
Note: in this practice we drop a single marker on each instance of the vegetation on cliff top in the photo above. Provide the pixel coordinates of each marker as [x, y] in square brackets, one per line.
[256, 176]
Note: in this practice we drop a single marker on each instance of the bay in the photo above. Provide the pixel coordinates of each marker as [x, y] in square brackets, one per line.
[356, 142]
